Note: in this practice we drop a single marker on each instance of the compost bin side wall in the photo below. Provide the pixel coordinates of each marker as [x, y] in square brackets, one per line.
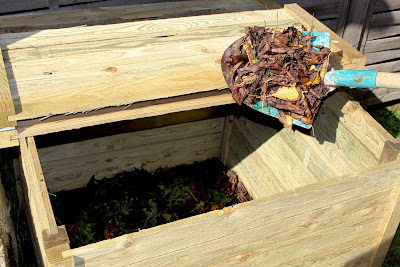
[49, 240]
[72, 165]
[268, 160]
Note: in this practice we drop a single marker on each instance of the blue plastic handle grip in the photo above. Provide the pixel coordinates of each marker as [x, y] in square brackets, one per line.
[351, 78]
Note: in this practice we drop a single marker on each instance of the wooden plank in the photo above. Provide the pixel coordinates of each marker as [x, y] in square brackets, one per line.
[6, 102]
[387, 5]
[376, 57]
[355, 119]
[252, 169]
[313, 156]
[368, 97]
[366, 26]
[268, 4]
[54, 245]
[392, 66]
[382, 44]
[168, 134]
[54, 4]
[68, 182]
[355, 21]
[350, 54]
[42, 216]
[7, 6]
[144, 157]
[276, 154]
[308, 3]
[382, 32]
[324, 11]
[118, 14]
[330, 128]
[321, 11]
[44, 198]
[390, 152]
[109, 3]
[314, 250]
[342, 17]
[74, 2]
[226, 138]
[134, 111]
[386, 19]
[388, 230]
[148, 149]
[130, 126]
[137, 80]
[5, 139]
[132, 35]
[350, 148]
[330, 23]
[243, 228]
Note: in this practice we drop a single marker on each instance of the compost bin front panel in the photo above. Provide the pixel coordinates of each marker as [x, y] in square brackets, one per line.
[337, 222]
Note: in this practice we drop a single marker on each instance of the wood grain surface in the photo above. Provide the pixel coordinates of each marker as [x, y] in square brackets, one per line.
[86, 68]
[306, 222]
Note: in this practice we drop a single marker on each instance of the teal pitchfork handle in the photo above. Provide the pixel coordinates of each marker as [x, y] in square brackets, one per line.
[362, 78]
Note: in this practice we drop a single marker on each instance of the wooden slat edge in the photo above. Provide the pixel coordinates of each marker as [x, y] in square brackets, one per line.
[148, 109]
[44, 224]
[42, 185]
[54, 245]
[389, 229]
[338, 45]
[226, 138]
[6, 103]
[390, 151]
[5, 139]
[37, 225]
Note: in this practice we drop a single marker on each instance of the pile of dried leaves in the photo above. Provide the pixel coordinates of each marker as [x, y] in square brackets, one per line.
[136, 200]
[281, 68]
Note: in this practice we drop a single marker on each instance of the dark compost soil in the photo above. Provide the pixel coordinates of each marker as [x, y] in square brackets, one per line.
[135, 200]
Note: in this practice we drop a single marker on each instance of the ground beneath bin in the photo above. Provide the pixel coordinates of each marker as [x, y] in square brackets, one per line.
[136, 200]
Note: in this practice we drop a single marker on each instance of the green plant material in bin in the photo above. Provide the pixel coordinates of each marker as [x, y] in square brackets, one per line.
[152, 214]
[389, 118]
[86, 233]
[176, 194]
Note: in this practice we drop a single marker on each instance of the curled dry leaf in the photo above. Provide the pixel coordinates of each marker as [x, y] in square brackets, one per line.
[283, 69]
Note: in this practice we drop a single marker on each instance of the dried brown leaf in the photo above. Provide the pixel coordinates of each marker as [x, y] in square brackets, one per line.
[287, 93]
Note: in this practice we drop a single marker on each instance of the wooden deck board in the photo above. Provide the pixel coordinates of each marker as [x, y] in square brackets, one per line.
[6, 103]
[128, 62]
[117, 14]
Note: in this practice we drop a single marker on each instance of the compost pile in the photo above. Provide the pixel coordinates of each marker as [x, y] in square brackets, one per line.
[280, 68]
[137, 200]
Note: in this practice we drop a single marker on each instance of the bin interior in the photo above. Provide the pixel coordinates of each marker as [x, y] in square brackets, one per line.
[267, 157]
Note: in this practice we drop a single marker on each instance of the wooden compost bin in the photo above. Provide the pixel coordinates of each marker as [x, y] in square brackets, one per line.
[328, 199]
